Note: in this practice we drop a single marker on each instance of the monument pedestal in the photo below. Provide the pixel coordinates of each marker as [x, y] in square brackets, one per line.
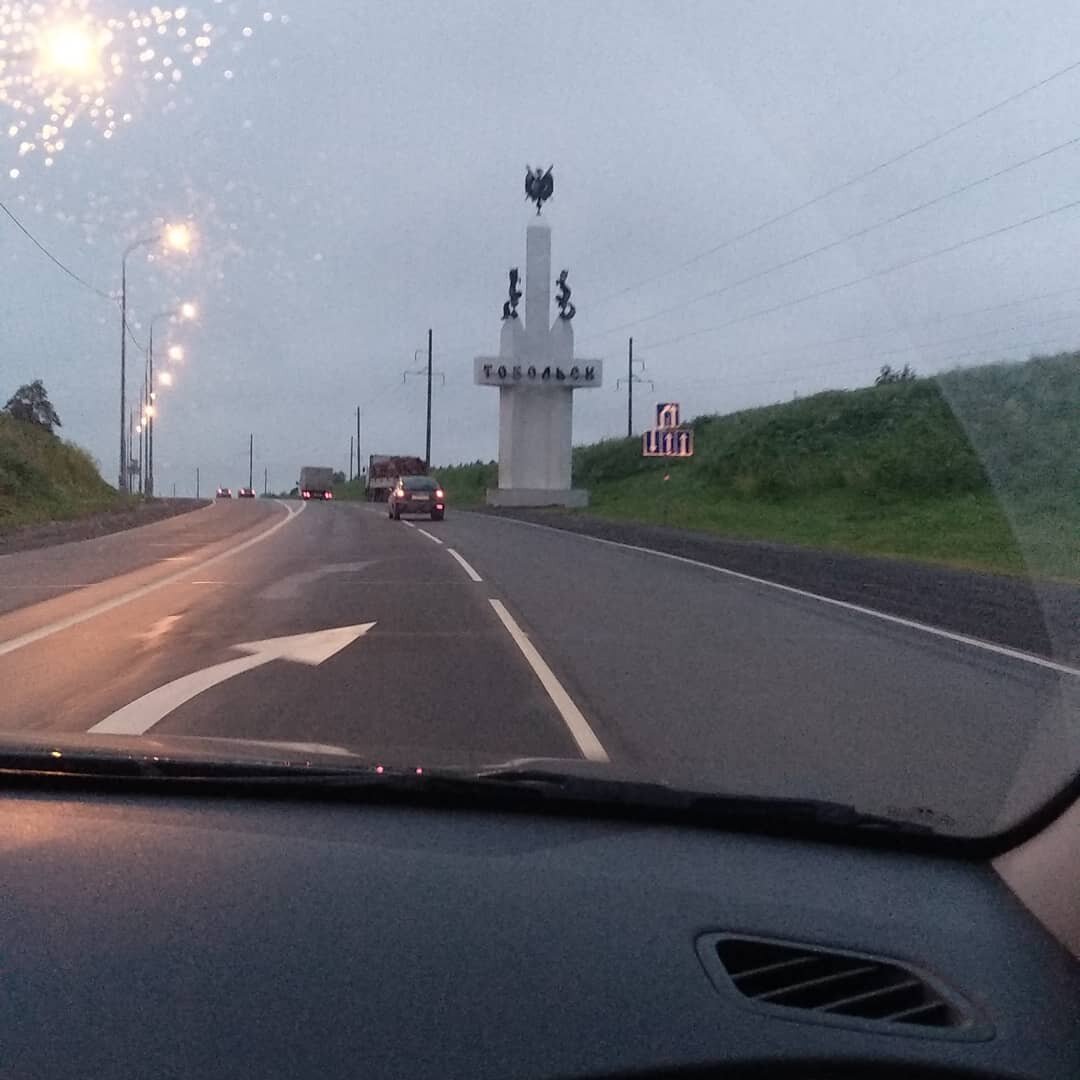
[571, 498]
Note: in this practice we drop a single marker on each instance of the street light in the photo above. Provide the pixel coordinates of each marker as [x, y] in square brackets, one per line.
[177, 238]
[165, 378]
[176, 353]
[186, 310]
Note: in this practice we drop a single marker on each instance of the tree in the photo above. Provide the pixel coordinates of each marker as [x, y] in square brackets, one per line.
[31, 404]
[890, 375]
[339, 478]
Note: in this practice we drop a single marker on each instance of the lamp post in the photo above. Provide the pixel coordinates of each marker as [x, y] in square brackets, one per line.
[178, 238]
[187, 310]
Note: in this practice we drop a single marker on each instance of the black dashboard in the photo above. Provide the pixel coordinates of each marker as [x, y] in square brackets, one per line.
[216, 937]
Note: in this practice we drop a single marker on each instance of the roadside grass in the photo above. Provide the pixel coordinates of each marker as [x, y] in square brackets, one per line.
[43, 478]
[977, 468]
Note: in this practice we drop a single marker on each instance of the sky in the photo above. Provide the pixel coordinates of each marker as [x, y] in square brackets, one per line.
[353, 175]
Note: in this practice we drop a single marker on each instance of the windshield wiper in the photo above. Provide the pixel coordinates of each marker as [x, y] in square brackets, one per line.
[520, 785]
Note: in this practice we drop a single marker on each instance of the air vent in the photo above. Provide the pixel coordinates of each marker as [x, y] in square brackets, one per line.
[833, 984]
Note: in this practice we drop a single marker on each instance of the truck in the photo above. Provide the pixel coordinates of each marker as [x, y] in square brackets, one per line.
[316, 482]
[384, 469]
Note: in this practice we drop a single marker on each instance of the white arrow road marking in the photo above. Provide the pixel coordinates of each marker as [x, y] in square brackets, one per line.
[159, 629]
[293, 585]
[141, 715]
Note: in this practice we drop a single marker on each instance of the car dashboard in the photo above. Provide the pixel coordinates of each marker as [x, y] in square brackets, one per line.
[258, 937]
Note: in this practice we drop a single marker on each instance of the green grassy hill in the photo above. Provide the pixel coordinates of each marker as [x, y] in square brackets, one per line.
[977, 467]
[43, 478]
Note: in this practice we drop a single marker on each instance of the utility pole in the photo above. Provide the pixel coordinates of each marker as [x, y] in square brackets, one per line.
[358, 441]
[266, 480]
[174, 489]
[429, 373]
[427, 444]
[251, 458]
[196, 481]
[630, 379]
[350, 457]
[131, 444]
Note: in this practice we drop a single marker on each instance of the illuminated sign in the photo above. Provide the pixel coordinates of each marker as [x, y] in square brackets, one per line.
[667, 439]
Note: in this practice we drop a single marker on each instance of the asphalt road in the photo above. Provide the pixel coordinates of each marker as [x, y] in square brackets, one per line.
[479, 639]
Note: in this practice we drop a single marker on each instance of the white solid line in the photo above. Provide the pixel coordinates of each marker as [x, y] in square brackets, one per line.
[912, 624]
[584, 736]
[424, 532]
[464, 565]
[144, 590]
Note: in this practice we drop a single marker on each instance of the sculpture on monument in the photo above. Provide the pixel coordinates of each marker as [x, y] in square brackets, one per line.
[510, 307]
[566, 309]
[539, 186]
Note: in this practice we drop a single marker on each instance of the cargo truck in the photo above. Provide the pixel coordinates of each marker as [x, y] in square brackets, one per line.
[383, 471]
[316, 482]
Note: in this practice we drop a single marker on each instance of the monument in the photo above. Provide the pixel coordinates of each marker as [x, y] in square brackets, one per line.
[537, 373]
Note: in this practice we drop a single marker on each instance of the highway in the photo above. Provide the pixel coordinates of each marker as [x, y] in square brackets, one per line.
[480, 639]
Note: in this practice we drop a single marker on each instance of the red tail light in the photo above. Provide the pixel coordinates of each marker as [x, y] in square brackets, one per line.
[400, 493]
[328, 494]
[440, 494]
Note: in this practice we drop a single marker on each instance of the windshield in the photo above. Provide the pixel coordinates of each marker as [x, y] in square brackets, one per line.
[742, 339]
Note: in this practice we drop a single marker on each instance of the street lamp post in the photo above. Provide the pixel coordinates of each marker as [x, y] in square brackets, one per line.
[187, 311]
[177, 237]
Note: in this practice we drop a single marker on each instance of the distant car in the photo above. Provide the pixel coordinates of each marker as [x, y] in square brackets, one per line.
[224, 493]
[246, 493]
[416, 495]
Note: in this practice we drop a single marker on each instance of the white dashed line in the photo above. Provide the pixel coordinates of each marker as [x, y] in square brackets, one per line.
[424, 532]
[409, 524]
[465, 566]
[584, 736]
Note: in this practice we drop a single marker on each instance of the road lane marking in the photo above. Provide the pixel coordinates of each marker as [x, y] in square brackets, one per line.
[464, 565]
[846, 605]
[584, 736]
[290, 587]
[424, 532]
[139, 716]
[407, 523]
[43, 632]
[160, 628]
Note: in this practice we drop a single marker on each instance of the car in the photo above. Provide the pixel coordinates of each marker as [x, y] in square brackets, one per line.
[224, 493]
[416, 495]
[246, 493]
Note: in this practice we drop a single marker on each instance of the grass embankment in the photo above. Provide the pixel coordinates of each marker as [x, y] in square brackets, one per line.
[43, 478]
[978, 467]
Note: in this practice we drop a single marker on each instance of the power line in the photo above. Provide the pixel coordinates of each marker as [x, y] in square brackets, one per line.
[711, 293]
[904, 327]
[843, 185]
[866, 277]
[52, 258]
[887, 353]
[67, 270]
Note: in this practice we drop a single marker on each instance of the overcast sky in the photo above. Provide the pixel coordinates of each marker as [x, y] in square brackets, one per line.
[355, 175]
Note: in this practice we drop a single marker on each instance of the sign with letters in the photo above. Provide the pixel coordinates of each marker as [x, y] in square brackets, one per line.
[505, 371]
[668, 438]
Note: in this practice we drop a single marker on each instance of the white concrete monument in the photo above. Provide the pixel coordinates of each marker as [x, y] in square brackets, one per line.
[537, 373]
